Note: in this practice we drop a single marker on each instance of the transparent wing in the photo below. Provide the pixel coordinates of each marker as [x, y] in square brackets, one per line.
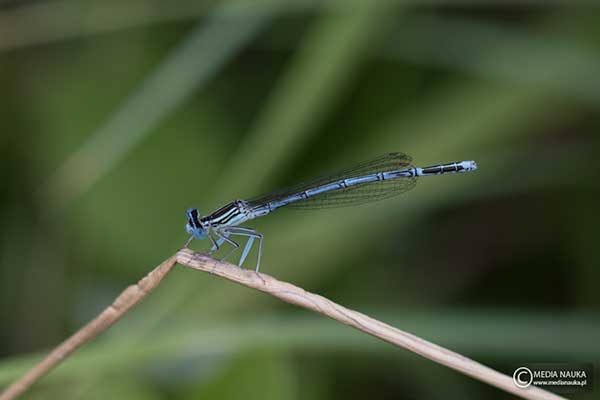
[353, 195]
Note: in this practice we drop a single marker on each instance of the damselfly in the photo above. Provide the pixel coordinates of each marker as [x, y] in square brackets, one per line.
[377, 179]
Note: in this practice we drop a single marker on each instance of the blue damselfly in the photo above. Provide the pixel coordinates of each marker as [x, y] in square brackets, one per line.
[376, 179]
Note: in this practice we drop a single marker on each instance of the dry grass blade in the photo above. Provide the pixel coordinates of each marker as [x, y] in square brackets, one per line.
[123, 303]
[285, 291]
[295, 295]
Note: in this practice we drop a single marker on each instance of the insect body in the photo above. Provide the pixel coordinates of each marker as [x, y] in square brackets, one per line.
[377, 179]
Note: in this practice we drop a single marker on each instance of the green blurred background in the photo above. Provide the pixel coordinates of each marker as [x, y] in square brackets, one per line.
[116, 117]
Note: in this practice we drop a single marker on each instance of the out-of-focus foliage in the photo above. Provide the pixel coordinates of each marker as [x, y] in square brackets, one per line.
[116, 117]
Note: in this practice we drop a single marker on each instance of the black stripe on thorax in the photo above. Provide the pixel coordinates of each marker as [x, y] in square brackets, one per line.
[223, 214]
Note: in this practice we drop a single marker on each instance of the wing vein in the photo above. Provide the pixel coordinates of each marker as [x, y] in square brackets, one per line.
[352, 195]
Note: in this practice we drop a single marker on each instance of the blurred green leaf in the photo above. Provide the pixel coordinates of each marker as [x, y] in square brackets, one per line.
[190, 65]
[501, 334]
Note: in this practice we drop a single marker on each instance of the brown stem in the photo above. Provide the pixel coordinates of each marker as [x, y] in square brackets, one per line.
[287, 292]
[295, 295]
[125, 301]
